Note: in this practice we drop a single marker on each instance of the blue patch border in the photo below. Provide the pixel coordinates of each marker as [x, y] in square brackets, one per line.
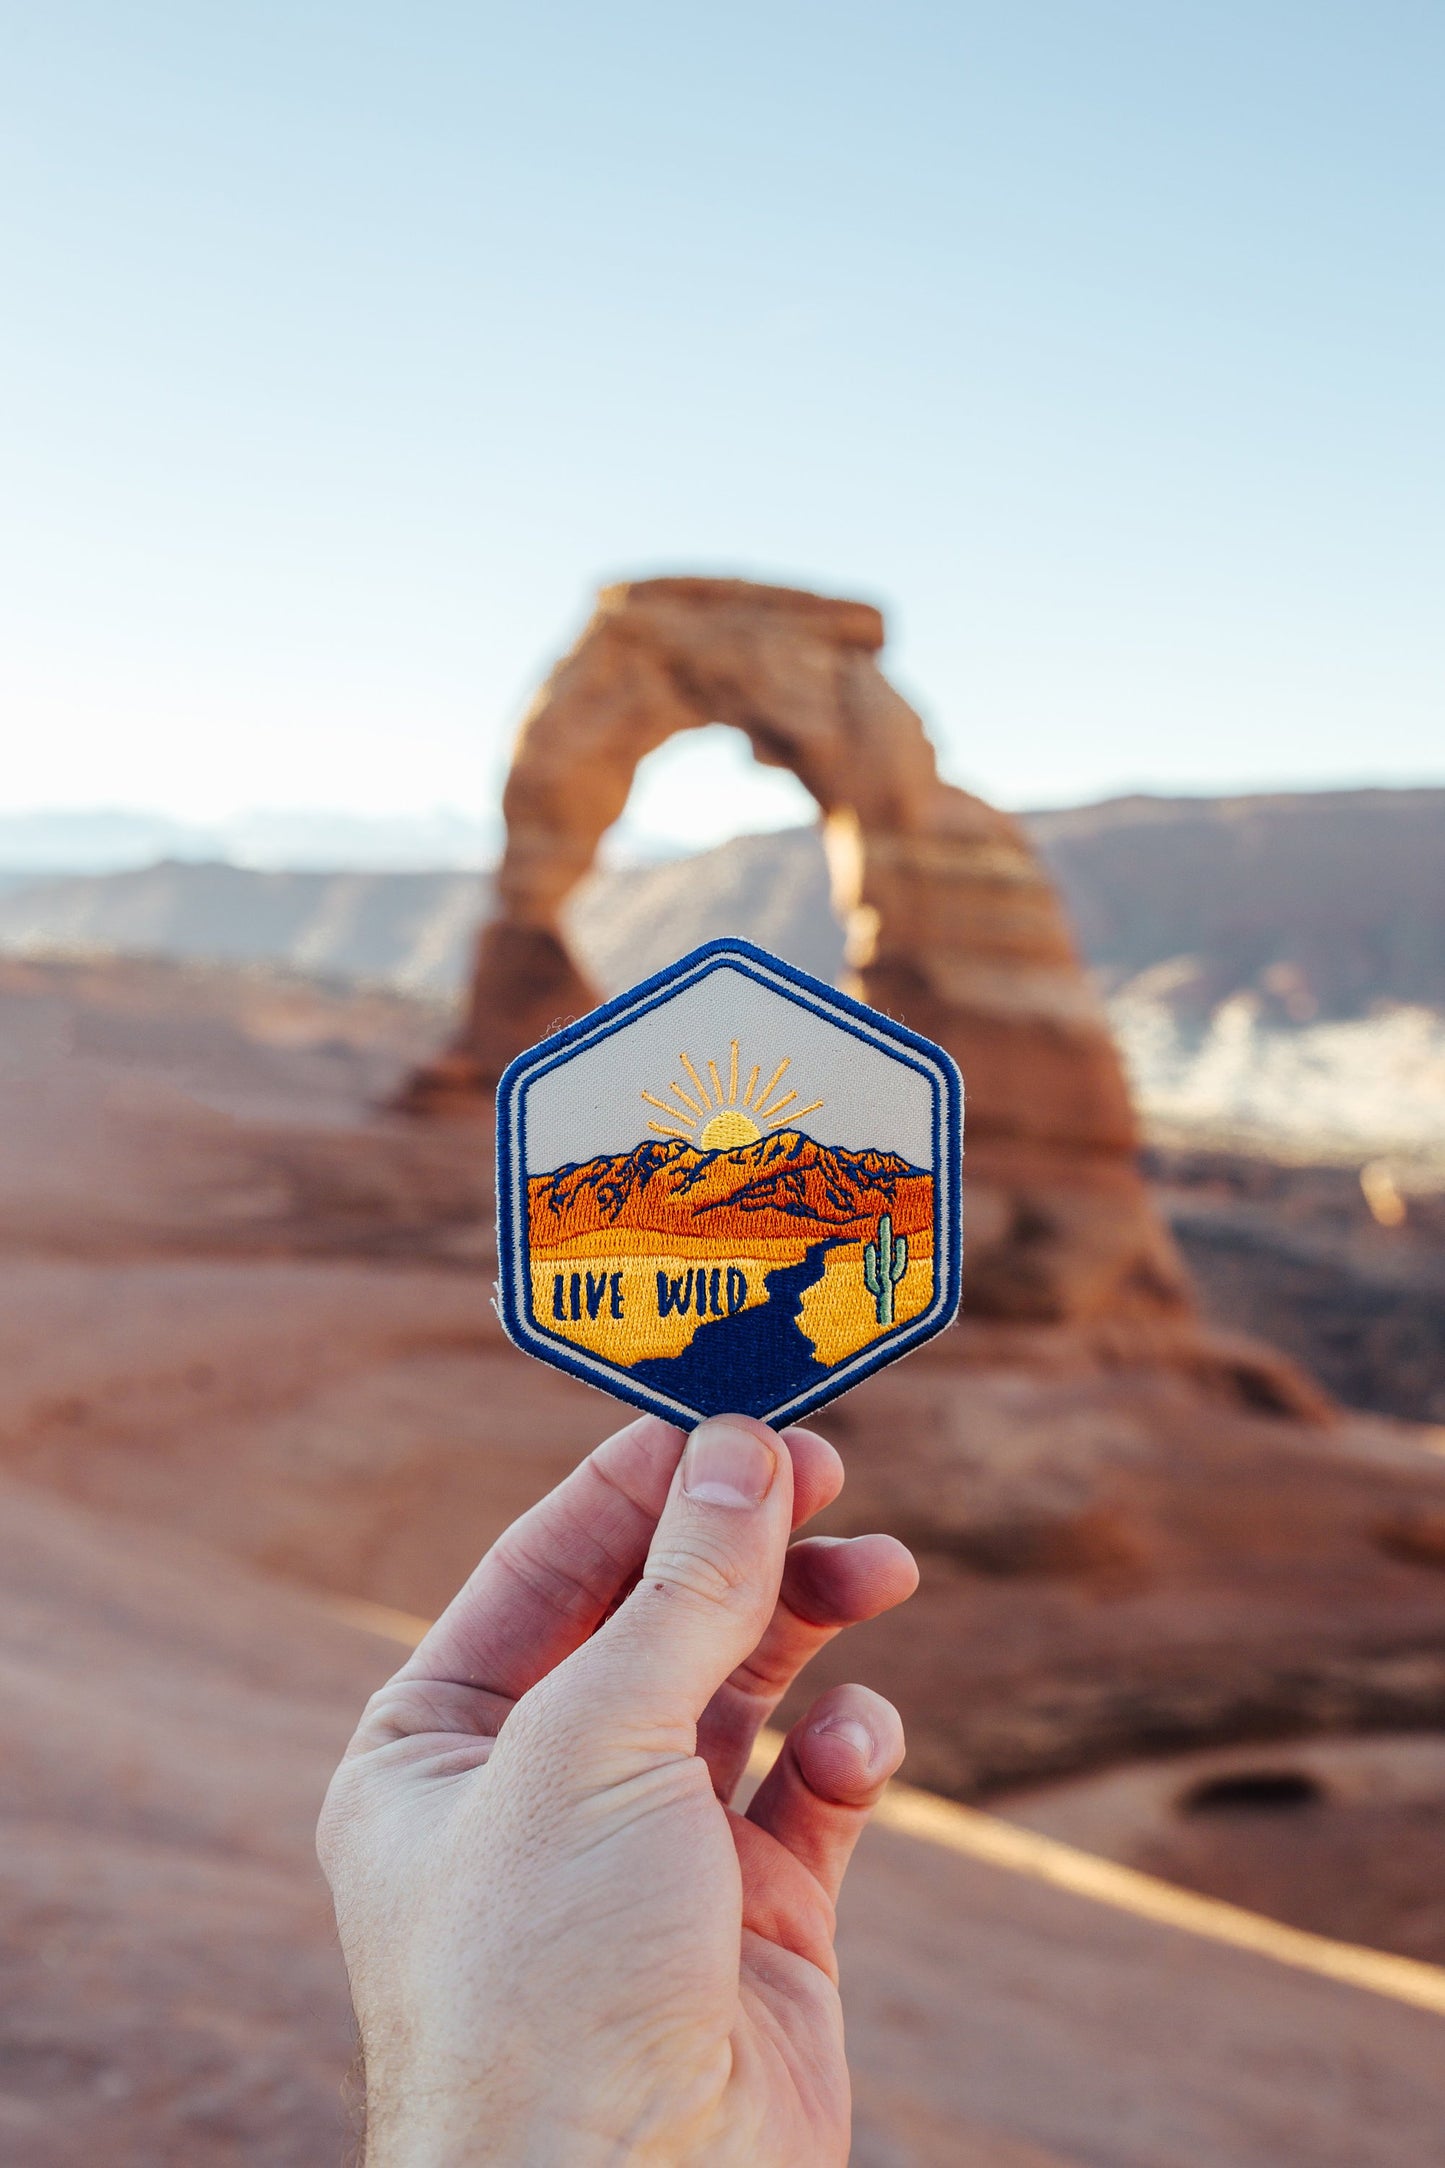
[514, 1280]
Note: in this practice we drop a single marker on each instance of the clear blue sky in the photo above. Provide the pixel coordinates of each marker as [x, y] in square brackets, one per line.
[346, 348]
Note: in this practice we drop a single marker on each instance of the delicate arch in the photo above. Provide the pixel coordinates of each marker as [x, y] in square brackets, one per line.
[952, 924]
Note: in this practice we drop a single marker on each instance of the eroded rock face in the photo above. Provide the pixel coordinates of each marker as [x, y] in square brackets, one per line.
[952, 924]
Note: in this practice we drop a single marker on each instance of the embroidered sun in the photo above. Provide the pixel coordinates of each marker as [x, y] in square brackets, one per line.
[720, 1120]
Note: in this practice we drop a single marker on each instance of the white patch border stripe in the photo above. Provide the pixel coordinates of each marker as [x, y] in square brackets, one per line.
[835, 1007]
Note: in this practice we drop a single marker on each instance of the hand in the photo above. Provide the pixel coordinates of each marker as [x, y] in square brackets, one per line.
[565, 1945]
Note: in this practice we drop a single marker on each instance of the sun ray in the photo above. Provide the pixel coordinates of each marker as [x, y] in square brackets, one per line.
[721, 1119]
[767, 1091]
[800, 1113]
[697, 1080]
[663, 1108]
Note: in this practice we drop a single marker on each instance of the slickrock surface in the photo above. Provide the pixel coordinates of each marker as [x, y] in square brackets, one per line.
[997, 2023]
[172, 1993]
[236, 1302]
[1283, 1825]
[1295, 1252]
[1112, 1565]
[244, 1325]
[952, 923]
[174, 1998]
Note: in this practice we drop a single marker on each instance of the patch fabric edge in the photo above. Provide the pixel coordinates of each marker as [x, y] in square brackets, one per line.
[834, 1006]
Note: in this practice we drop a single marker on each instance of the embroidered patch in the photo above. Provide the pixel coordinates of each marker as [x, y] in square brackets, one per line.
[732, 1188]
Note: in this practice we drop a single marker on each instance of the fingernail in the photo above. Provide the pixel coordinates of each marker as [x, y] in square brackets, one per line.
[725, 1465]
[857, 1735]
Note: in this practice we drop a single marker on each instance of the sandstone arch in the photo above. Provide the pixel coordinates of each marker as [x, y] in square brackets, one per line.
[952, 924]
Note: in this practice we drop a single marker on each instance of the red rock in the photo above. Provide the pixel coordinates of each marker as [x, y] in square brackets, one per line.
[245, 1325]
[953, 926]
[174, 1997]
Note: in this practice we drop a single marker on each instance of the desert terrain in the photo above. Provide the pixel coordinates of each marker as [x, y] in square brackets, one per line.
[1270, 968]
[1163, 1884]
[256, 1404]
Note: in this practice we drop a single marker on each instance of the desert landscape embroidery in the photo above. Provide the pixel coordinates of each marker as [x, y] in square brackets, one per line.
[729, 1242]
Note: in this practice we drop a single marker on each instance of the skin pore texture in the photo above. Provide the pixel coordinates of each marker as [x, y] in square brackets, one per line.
[566, 1946]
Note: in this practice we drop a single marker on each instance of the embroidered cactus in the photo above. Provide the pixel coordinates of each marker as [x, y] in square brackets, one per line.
[884, 1264]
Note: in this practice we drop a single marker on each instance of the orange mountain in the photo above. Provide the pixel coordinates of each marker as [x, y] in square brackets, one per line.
[785, 1187]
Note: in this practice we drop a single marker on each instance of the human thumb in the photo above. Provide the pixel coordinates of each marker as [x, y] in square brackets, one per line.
[708, 1588]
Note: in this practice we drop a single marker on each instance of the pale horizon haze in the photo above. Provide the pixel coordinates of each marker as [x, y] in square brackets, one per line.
[347, 350]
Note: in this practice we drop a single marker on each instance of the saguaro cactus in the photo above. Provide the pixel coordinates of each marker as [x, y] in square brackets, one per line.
[884, 1264]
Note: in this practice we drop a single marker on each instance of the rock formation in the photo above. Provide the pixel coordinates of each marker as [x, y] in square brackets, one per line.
[952, 925]
[238, 1307]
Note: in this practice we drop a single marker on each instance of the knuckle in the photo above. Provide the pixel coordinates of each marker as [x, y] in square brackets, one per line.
[542, 1719]
[693, 1567]
[564, 1592]
[387, 1714]
[551, 1746]
[766, 1674]
[384, 1700]
[818, 1921]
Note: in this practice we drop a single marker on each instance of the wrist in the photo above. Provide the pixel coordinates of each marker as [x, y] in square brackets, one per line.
[414, 2120]
[466, 2136]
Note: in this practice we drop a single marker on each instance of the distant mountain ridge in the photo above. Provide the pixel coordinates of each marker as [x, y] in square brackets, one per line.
[1322, 903]
[410, 930]
[1274, 965]
[788, 1186]
[92, 840]
[415, 930]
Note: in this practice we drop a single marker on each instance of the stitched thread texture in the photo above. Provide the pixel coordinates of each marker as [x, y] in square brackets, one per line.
[740, 1251]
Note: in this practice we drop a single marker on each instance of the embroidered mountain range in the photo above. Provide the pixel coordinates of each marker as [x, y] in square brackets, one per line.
[786, 1187]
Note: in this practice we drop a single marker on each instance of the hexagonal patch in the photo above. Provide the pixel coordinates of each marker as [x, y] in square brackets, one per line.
[732, 1188]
